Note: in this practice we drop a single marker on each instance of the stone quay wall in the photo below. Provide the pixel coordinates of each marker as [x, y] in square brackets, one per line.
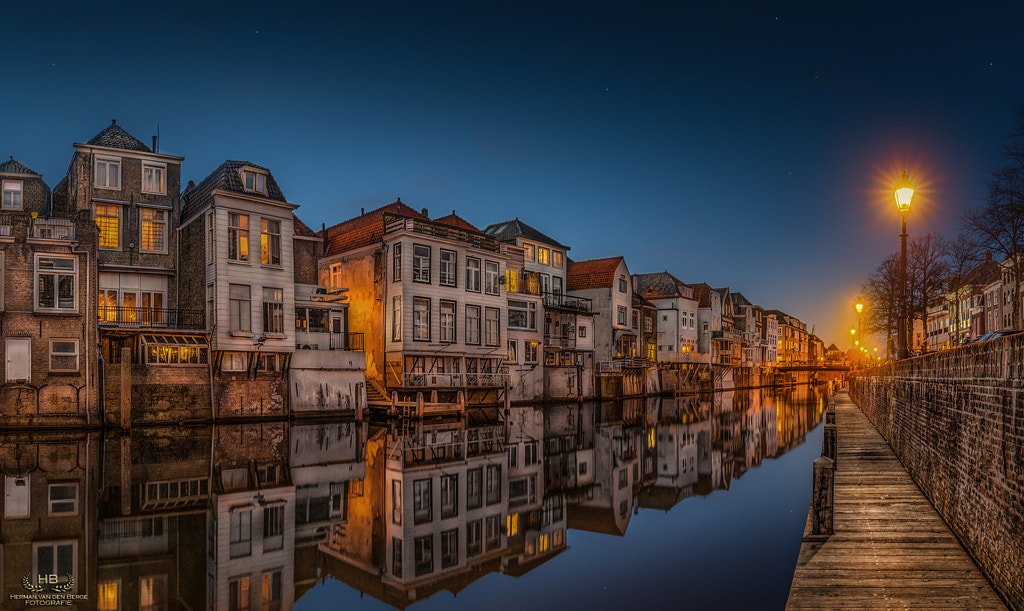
[956, 421]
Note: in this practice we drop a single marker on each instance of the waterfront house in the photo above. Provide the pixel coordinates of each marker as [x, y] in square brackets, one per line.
[47, 283]
[568, 340]
[428, 297]
[239, 267]
[153, 354]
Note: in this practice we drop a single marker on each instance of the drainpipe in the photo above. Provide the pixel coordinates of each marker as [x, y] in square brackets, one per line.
[85, 330]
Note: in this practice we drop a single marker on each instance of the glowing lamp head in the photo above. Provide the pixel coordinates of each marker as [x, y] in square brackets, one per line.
[904, 193]
[859, 305]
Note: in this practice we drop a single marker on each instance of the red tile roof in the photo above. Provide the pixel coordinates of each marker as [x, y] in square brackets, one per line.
[454, 220]
[592, 274]
[302, 228]
[366, 229]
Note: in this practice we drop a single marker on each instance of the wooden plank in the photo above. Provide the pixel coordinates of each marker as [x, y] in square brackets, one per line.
[890, 547]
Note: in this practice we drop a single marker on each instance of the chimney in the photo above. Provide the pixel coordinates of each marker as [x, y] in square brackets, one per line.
[362, 211]
[424, 213]
[453, 211]
[113, 121]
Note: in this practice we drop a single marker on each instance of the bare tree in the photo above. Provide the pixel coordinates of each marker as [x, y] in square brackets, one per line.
[998, 225]
[962, 257]
[882, 294]
[927, 268]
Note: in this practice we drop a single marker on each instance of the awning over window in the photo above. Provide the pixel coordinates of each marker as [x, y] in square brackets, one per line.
[175, 340]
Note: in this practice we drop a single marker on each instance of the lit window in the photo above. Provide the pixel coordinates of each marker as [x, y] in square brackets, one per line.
[153, 230]
[55, 283]
[153, 179]
[556, 258]
[543, 255]
[530, 352]
[238, 594]
[270, 242]
[238, 237]
[273, 310]
[528, 252]
[270, 590]
[110, 599]
[63, 355]
[108, 173]
[12, 195]
[254, 182]
[153, 593]
[108, 219]
[63, 499]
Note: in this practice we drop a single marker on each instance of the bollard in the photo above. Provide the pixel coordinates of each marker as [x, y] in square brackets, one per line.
[829, 444]
[822, 496]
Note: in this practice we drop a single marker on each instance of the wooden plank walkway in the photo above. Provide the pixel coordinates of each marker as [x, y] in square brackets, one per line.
[890, 549]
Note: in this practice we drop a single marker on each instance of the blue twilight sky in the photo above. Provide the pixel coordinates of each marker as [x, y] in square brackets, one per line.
[743, 144]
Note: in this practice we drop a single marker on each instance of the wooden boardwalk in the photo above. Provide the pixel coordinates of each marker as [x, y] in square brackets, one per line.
[890, 549]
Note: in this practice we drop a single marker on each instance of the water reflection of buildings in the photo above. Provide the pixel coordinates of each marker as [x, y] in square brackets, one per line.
[258, 515]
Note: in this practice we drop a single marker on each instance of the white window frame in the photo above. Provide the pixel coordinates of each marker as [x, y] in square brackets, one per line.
[240, 309]
[51, 502]
[52, 353]
[273, 310]
[211, 230]
[528, 250]
[57, 274]
[107, 163]
[14, 188]
[258, 181]
[556, 258]
[492, 326]
[160, 222]
[473, 328]
[543, 256]
[54, 545]
[240, 533]
[421, 321]
[446, 322]
[421, 263]
[448, 271]
[150, 170]
[473, 271]
[396, 318]
[492, 271]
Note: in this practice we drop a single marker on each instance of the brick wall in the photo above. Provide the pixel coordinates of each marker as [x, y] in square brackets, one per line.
[956, 421]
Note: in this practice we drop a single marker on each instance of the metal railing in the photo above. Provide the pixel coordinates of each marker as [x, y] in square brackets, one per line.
[393, 223]
[559, 341]
[568, 302]
[454, 380]
[162, 318]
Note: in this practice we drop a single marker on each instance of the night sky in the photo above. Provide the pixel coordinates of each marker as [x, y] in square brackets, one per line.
[750, 145]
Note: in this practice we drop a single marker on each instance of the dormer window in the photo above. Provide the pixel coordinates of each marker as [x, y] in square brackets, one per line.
[12, 195]
[254, 181]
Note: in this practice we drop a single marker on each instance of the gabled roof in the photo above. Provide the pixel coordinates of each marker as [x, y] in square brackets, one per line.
[702, 293]
[739, 300]
[984, 273]
[592, 274]
[365, 229]
[227, 177]
[302, 228]
[658, 285]
[114, 136]
[454, 220]
[13, 166]
[508, 231]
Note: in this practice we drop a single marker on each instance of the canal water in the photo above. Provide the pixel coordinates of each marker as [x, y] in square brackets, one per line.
[695, 502]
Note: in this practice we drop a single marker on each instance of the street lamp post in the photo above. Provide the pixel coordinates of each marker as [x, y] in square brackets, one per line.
[904, 193]
[860, 308]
